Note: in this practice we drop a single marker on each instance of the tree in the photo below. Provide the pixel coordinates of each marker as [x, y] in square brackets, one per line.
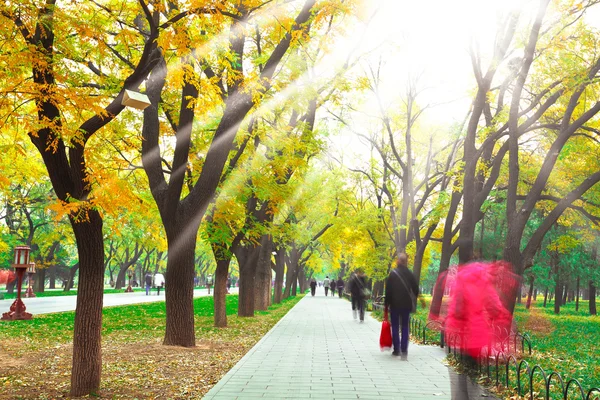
[236, 93]
[52, 40]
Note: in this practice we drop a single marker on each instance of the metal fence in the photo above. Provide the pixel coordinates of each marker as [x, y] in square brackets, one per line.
[497, 362]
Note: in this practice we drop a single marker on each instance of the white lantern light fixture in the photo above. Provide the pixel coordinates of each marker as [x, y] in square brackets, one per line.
[135, 100]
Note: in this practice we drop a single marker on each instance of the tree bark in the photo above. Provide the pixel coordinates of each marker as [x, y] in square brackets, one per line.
[557, 290]
[262, 292]
[87, 355]
[71, 281]
[447, 250]
[220, 291]
[530, 293]
[577, 294]
[179, 287]
[279, 274]
[592, 291]
[302, 280]
[52, 277]
[128, 261]
[292, 265]
[40, 280]
[247, 257]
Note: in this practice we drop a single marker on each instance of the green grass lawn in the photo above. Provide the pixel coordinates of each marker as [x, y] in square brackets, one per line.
[55, 293]
[567, 343]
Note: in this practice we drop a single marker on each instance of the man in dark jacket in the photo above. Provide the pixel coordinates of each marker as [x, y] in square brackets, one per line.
[357, 287]
[148, 280]
[401, 294]
[340, 286]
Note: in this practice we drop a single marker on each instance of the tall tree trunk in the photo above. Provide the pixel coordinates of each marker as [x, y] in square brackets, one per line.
[545, 296]
[247, 258]
[279, 273]
[10, 287]
[40, 280]
[577, 294]
[557, 291]
[52, 277]
[221, 274]
[421, 247]
[179, 287]
[592, 291]
[262, 288]
[565, 294]
[71, 281]
[378, 288]
[87, 348]
[302, 280]
[447, 250]
[530, 293]
[292, 266]
[121, 277]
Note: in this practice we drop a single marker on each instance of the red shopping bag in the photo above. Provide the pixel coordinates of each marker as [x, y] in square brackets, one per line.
[385, 339]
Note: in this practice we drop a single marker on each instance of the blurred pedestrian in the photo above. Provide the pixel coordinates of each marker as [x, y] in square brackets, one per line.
[340, 287]
[358, 288]
[313, 286]
[159, 282]
[332, 287]
[326, 285]
[148, 281]
[228, 283]
[401, 294]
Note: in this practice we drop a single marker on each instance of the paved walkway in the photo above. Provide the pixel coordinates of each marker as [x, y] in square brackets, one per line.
[318, 351]
[47, 305]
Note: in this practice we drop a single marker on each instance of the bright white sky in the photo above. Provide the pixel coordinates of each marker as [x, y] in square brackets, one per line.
[429, 39]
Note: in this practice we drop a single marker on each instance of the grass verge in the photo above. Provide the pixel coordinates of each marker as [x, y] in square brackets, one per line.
[36, 355]
[60, 293]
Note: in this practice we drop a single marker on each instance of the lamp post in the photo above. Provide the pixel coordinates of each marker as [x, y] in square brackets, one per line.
[30, 273]
[21, 263]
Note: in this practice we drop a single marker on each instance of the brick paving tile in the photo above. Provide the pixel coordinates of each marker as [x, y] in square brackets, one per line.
[319, 351]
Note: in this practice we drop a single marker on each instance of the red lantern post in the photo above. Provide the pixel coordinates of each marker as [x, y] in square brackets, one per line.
[21, 263]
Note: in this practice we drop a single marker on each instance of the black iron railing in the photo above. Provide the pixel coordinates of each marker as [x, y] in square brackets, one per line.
[503, 362]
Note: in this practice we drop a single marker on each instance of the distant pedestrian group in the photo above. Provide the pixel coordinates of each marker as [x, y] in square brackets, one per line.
[331, 286]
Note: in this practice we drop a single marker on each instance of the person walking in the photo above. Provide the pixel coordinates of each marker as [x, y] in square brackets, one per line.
[313, 286]
[401, 294]
[159, 282]
[340, 287]
[357, 287]
[326, 285]
[228, 283]
[148, 281]
[332, 287]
